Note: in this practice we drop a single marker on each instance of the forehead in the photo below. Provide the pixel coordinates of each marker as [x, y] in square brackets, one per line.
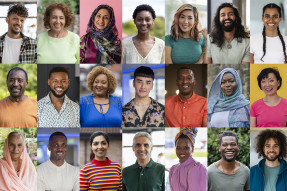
[228, 75]
[17, 74]
[15, 15]
[271, 11]
[142, 140]
[183, 141]
[15, 139]
[271, 75]
[271, 141]
[101, 77]
[58, 139]
[103, 12]
[228, 139]
[184, 72]
[99, 138]
[187, 13]
[142, 78]
[62, 75]
[144, 13]
[57, 11]
[226, 10]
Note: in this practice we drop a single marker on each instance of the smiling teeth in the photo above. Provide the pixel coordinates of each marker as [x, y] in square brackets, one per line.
[271, 24]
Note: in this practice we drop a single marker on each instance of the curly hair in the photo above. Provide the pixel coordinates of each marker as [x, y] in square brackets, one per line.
[267, 134]
[67, 11]
[175, 30]
[144, 7]
[217, 34]
[264, 74]
[18, 9]
[112, 81]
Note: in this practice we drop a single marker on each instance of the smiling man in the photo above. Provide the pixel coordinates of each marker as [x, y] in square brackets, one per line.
[56, 174]
[228, 42]
[186, 109]
[18, 110]
[143, 111]
[145, 174]
[56, 109]
[227, 173]
[271, 172]
[15, 47]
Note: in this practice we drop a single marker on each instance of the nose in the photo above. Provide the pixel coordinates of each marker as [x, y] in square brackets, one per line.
[186, 20]
[15, 83]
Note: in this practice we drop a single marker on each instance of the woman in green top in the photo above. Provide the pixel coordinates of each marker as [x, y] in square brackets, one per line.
[185, 44]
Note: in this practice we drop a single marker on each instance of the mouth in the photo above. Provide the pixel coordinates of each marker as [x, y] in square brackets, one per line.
[185, 26]
[57, 26]
[143, 28]
[270, 24]
[100, 151]
[185, 86]
[229, 154]
[60, 153]
[268, 89]
[15, 90]
[227, 22]
[59, 90]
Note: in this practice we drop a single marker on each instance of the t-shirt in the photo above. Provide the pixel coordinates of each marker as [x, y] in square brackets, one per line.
[219, 181]
[185, 50]
[11, 50]
[271, 174]
[267, 116]
[274, 49]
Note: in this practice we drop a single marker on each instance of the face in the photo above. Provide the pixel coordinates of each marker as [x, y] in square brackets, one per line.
[100, 85]
[271, 149]
[228, 148]
[17, 83]
[186, 21]
[57, 20]
[184, 148]
[142, 85]
[227, 19]
[270, 84]
[59, 83]
[58, 147]
[15, 23]
[102, 19]
[144, 21]
[228, 84]
[16, 146]
[185, 81]
[271, 19]
[100, 147]
[142, 148]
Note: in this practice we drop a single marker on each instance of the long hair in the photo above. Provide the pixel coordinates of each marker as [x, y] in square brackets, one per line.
[175, 30]
[217, 34]
[274, 6]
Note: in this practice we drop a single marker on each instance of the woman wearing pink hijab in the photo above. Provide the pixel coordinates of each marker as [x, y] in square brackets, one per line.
[17, 170]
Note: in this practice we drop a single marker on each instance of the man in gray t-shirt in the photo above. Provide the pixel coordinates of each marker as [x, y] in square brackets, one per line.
[227, 173]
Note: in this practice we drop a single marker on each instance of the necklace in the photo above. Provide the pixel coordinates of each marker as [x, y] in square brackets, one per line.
[229, 46]
[101, 106]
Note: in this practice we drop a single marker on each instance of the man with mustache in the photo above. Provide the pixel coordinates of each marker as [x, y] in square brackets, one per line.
[145, 174]
[186, 109]
[271, 172]
[15, 47]
[18, 110]
[56, 174]
[56, 109]
[228, 42]
[227, 173]
[143, 111]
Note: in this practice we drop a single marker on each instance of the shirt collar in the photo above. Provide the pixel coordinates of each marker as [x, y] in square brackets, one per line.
[55, 166]
[187, 100]
[149, 165]
[47, 99]
[101, 163]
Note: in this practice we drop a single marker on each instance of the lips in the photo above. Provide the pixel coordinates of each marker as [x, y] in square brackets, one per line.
[228, 22]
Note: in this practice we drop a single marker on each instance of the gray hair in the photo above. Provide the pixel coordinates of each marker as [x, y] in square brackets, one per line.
[142, 134]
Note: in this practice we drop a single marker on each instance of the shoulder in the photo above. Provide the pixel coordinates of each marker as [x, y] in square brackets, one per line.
[157, 104]
[127, 40]
[87, 167]
[29, 39]
[171, 98]
[284, 101]
[257, 103]
[73, 168]
[256, 36]
[200, 98]
[211, 167]
[86, 99]
[159, 41]
[115, 98]
[116, 165]
[42, 167]
[244, 168]
[168, 37]
[42, 35]
[73, 35]
[4, 100]
[31, 100]
[127, 106]
[129, 169]
[85, 37]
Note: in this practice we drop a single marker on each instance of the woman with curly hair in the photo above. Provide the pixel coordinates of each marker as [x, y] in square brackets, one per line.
[101, 109]
[269, 46]
[185, 45]
[101, 44]
[58, 45]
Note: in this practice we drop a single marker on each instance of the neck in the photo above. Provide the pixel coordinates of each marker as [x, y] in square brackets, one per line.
[55, 99]
[57, 162]
[185, 97]
[100, 99]
[59, 34]
[143, 163]
[17, 99]
[272, 163]
[272, 33]
[272, 98]
[13, 35]
[142, 101]
[229, 36]
[141, 36]
[104, 158]
[228, 166]
[186, 35]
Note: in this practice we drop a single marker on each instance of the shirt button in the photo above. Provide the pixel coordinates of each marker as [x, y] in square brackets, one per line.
[184, 107]
[183, 117]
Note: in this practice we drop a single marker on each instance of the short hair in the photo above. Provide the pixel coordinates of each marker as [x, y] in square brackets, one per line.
[227, 133]
[142, 134]
[184, 68]
[59, 69]
[144, 71]
[17, 69]
[57, 133]
[67, 11]
[144, 7]
[96, 134]
[264, 74]
[14, 133]
[267, 134]
[112, 81]
[18, 9]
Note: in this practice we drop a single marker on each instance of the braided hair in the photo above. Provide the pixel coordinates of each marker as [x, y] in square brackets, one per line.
[273, 5]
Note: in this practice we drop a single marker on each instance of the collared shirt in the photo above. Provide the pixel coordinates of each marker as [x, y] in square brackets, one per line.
[58, 178]
[188, 113]
[153, 117]
[149, 178]
[28, 51]
[48, 116]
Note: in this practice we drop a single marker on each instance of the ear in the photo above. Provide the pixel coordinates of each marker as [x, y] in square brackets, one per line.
[7, 19]
[70, 82]
[49, 147]
[133, 83]
[151, 148]
[49, 82]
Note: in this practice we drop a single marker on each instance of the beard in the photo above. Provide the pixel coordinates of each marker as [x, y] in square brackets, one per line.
[271, 159]
[229, 159]
[227, 28]
[58, 95]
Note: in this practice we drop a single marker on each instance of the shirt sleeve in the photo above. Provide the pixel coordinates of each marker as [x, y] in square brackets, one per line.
[84, 182]
[168, 39]
[208, 47]
[205, 110]
[40, 181]
[247, 185]
[203, 42]
[252, 110]
[76, 186]
[246, 56]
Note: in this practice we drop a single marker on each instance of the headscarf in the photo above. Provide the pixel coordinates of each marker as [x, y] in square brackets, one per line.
[218, 102]
[190, 132]
[9, 180]
[106, 40]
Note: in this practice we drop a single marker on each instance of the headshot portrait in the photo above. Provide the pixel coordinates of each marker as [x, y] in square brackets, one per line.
[185, 40]
[18, 33]
[18, 158]
[228, 98]
[57, 43]
[58, 92]
[185, 98]
[143, 99]
[18, 95]
[100, 31]
[143, 32]
[268, 96]
[58, 159]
